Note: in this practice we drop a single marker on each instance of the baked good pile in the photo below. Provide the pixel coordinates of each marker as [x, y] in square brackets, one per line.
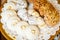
[30, 19]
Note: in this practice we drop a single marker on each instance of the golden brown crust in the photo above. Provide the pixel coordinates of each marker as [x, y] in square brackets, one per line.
[51, 19]
[36, 4]
[58, 1]
[46, 9]
[51, 16]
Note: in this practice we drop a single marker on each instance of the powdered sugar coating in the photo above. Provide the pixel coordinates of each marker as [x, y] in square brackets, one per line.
[8, 6]
[25, 24]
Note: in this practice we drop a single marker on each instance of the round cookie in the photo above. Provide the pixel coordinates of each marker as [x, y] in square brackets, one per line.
[9, 6]
[12, 21]
[26, 31]
[7, 14]
[22, 13]
[20, 3]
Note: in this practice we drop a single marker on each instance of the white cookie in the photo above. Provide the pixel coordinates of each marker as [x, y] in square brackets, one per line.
[9, 6]
[20, 3]
[32, 33]
[27, 32]
[7, 14]
[33, 13]
[22, 13]
[13, 21]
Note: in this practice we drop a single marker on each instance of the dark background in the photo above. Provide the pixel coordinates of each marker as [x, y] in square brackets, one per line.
[2, 37]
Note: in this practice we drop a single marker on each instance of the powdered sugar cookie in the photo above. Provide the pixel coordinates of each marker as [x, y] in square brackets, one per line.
[23, 15]
[37, 20]
[7, 14]
[19, 3]
[9, 6]
[33, 13]
[13, 21]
